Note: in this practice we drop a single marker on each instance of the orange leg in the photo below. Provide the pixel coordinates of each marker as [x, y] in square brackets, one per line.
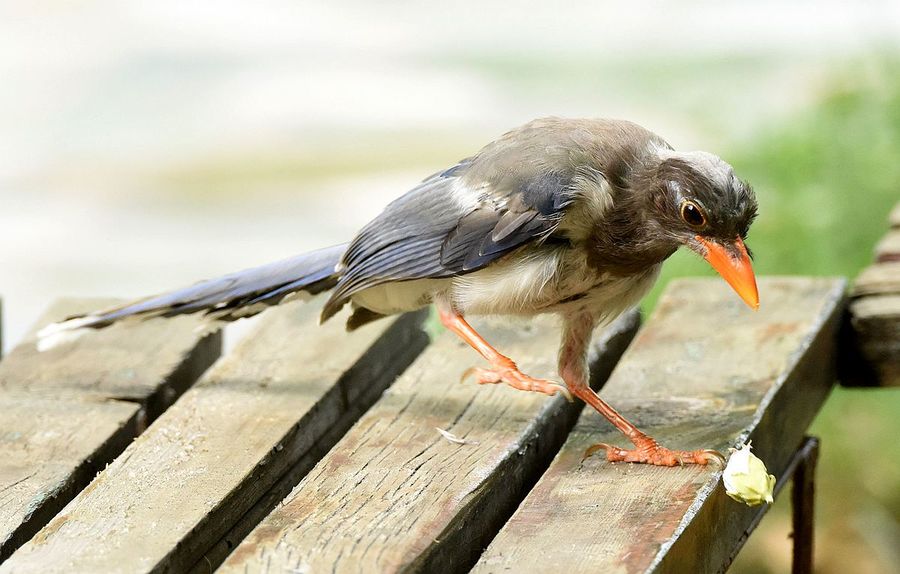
[573, 369]
[503, 369]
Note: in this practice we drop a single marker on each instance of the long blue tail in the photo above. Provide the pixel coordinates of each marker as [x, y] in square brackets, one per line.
[225, 298]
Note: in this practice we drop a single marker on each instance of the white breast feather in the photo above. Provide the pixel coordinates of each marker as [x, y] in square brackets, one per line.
[513, 286]
[400, 296]
[618, 294]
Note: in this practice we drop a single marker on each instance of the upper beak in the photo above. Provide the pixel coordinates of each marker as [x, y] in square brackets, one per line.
[733, 264]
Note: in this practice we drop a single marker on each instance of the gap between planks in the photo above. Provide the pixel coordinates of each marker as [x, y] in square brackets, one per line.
[267, 409]
[65, 413]
[703, 373]
[394, 494]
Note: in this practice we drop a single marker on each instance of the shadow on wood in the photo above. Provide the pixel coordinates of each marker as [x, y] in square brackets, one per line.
[703, 373]
[66, 413]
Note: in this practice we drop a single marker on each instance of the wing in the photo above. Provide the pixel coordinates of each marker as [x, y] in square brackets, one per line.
[513, 192]
[454, 222]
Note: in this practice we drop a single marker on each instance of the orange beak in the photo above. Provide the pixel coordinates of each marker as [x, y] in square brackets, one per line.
[733, 264]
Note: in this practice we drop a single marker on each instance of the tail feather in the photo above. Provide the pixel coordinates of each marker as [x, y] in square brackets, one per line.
[226, 298]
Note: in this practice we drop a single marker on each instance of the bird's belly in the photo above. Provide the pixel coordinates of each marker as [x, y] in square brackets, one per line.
[523, 285]
[399, 296]
[569, 290]
[542, 283]
[612, 297]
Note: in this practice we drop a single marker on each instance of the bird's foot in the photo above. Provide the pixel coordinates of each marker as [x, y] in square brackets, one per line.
[512, 376]
[648, 451]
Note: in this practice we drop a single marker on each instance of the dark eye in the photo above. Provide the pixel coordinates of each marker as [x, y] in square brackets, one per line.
[692, 215]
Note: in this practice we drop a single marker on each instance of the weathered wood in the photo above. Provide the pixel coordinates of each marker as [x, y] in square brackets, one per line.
[285, 391]
[881, 279]
[394, 494]
[112, 363]
[888, 249]
[704, 372]
[871, 338]
[59, 426]
[873, 346]
[51, 450]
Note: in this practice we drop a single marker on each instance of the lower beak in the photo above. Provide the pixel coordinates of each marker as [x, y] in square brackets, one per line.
[733, 264]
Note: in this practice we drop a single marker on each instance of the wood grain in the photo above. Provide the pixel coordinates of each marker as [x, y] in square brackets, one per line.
[51, 450]
[394, 494]
[875, 329]
[888, 249]
[60, 424]
[871, 337]
[881, 279]
[705, 372]
[286, 390]
[112, 363]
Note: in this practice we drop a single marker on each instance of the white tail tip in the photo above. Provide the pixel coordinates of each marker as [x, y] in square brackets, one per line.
[56, 334]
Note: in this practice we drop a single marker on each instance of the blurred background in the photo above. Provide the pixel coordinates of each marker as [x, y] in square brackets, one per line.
[145, 145]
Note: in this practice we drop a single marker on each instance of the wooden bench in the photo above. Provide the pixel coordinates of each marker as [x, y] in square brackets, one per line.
[66, 414]
[307, 449]
[873, 330]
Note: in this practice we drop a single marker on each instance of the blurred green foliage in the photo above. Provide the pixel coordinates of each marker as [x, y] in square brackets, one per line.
[826, 180]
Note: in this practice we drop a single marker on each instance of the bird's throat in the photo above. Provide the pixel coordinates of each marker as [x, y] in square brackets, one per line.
[623, 249]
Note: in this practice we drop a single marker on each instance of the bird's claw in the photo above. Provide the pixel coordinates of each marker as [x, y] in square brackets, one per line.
[714, 455]
[515, 379]
[649, 452]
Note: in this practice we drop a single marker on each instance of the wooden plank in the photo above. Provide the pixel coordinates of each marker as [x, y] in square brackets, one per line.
[51, 450]
[870, 345]
[873, 344]
[871, 339]
[286, 390]
[396, 495]
[59, 426]
[704, 372]
[112, 363]
[881, 279]
[888, 249]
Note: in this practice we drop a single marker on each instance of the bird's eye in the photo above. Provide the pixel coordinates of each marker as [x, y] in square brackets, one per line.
[692, 214]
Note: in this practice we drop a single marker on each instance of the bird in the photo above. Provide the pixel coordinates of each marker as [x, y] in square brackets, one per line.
[573, 217]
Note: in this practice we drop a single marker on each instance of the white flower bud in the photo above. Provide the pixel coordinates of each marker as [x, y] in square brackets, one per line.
[746, 479]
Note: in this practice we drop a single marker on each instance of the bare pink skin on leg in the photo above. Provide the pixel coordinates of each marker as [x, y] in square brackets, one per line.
[573, 368]
[574, 371]
[502, 369]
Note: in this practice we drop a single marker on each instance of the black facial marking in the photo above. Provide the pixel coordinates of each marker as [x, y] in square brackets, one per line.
[727, 204]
